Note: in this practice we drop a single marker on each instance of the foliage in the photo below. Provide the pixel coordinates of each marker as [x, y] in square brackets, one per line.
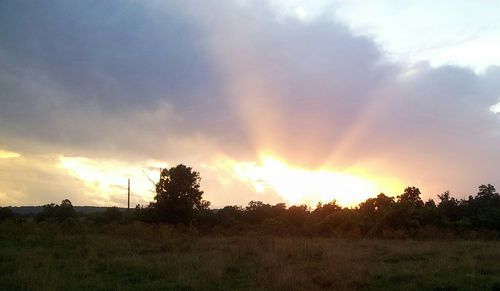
[178, 195]
[59, 213]
[411, 197]
[178, 201]
[6, 213]
[382, 216]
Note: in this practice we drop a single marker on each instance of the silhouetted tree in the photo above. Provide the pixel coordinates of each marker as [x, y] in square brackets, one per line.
[296, 216]
[484, 210]
[257, 211]
[323, 210]
[205, 217]
[486, 191]
[47, 212]
[59, 213]
[446, 200]
[340, 222]
[146, 213]
[411, 196]
[376, 206]
[429, 214]
[406, 214]
[230, 215]
[331, 219]
[6, 213]
[375, 213]
[381, 216]
[65, 211]
[178, 195]
[449, 208]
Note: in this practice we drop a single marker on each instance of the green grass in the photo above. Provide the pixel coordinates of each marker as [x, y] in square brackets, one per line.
[144, 257]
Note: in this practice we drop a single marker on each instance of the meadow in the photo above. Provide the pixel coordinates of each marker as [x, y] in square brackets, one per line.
[138, 256]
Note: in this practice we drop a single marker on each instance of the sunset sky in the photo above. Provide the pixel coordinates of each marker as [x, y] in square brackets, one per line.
[279, 101]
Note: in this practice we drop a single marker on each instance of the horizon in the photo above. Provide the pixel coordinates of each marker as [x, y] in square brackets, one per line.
[287, 205]
[276, 101]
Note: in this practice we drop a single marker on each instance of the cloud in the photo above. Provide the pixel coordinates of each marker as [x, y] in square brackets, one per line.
[187, 82]
[495, 108]
[129, 68]
[37, 180]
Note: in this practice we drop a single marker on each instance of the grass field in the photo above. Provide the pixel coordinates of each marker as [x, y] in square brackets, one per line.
[144, 257]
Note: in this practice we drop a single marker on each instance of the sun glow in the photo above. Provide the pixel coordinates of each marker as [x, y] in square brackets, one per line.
[305, 186]
[106, 181]
[8, 154]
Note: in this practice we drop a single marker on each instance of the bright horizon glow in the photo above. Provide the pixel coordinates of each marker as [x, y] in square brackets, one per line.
[105, 180]
[8, 154]
[298, 185]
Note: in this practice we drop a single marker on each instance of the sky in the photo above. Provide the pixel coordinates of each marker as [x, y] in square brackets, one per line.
[271, 100]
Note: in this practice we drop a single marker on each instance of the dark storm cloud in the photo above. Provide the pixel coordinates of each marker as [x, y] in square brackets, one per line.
[79, 72]
[108, 52]
[84, 74]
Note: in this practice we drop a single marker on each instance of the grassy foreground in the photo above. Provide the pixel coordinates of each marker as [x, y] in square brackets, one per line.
[145, 257]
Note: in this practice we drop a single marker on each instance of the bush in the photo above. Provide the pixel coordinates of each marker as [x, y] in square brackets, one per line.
[6, 213]
[59, 213]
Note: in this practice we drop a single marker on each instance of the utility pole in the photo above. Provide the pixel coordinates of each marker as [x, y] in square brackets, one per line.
[128, 202]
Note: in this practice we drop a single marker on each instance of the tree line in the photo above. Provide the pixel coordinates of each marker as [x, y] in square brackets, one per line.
[179, 201]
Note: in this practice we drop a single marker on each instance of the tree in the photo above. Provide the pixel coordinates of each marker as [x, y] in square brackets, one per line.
[296, 216]
[178, 195]
[59, 213]
[47, 212]
[374, 213]
[411, 197]
[487, 191]
[486, 208]
[406, 213]
[258, 211]
[6, 213]
[449, 207]
[65, 211]
[376, 206]
[230, 215]
[323, 210]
